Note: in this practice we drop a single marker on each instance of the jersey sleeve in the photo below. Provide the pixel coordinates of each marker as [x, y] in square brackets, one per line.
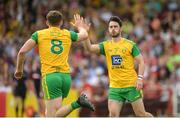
[101, 46]
[34, 37]
[135, 50]
[74, 36]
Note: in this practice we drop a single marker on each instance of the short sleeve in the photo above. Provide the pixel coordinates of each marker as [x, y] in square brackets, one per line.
[74, 36]
[101, 46]
[135, 50]
[34, 37]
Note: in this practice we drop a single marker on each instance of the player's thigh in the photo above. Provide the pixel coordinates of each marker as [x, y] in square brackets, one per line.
[66, 84]
[138, 107]
[52, 86]
[114, 108]
[115, 101]
[52, 106]
[135, 98]
[132, 94]
[116, 94]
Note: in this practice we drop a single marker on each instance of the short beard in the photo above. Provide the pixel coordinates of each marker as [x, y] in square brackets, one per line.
[115, 36]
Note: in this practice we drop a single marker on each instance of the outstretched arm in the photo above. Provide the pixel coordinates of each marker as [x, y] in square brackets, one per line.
[79, 24]
[83, 26]
[21, 57]
[94, 48]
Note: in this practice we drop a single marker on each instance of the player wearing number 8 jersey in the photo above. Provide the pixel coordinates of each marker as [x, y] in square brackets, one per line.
[54, 44]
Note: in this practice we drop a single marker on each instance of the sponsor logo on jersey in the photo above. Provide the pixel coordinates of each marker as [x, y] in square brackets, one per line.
[116, 59]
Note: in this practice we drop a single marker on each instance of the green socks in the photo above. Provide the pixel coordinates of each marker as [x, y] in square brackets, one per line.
[75, 105]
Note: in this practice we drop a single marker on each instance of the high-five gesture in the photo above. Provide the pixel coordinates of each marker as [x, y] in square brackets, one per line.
[86, 25]
[78, 21]
[80, 24]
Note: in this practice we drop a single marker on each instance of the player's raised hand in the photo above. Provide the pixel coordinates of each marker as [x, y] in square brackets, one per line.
[86, 25]
[18, 75]
[78, 21]
[82, 27]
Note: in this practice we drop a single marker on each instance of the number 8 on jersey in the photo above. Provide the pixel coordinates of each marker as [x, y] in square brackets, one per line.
[56, 46]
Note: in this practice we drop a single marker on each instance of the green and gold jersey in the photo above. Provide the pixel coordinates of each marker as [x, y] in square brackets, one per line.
[120, 62]
[54, 46]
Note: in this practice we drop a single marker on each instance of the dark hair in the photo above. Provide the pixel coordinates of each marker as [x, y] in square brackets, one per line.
[115, 19]
[54, 17]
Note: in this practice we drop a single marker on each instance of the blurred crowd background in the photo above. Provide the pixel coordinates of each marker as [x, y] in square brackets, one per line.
[153, 24]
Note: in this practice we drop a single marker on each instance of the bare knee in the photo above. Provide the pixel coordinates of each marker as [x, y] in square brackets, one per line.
[139, 109]
[51, 110]
[50, 113]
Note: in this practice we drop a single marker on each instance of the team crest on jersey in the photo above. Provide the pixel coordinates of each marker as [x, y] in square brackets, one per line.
[124, 50]
[116, 59]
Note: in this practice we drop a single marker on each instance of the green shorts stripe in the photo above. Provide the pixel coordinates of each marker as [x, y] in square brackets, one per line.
[45, 88]
[129, 94]
[56, 85]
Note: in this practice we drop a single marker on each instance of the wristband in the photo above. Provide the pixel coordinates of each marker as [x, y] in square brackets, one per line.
[140, 78]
